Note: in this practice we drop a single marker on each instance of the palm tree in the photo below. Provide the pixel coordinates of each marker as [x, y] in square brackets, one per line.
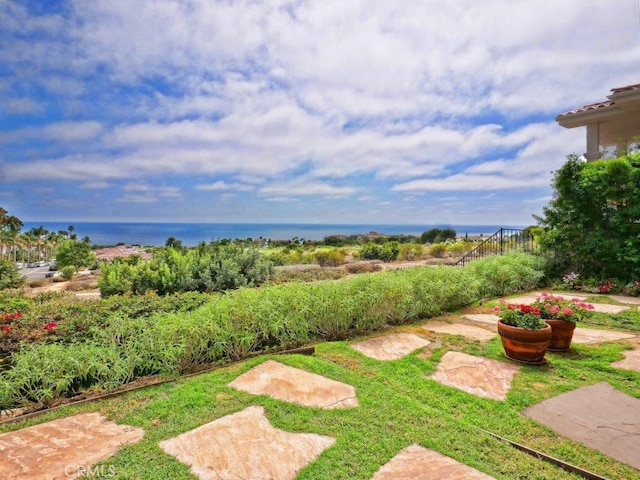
[52, 241]
[18, 244]
[9, 228]
[39, 233]
[28, 240]
[5, 243]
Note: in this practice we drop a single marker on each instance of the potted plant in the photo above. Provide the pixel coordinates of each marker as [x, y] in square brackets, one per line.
[561, 314]
[524, 335]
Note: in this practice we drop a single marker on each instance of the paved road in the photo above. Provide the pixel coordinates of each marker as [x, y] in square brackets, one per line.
[35, 273]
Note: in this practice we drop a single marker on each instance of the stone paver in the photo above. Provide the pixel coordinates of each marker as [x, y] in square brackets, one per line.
[417, 463]
[480, 376]
[597, 307]
[295, 385]
[477, 333]
[245, 445]
[591, 335]
[63, 449]
[486, 318]
[390, 347]
[598, 416]
[607, 308]
[631, 361]
[625, 299]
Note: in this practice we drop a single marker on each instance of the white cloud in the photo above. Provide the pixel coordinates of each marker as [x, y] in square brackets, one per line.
[287, 100]
[21, 106]
[223, 186]
[298, 188]
[144, 188]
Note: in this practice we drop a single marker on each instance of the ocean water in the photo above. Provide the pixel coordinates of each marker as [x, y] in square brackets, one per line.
[191, 234]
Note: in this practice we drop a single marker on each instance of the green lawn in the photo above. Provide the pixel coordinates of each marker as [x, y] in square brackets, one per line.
[399, 405]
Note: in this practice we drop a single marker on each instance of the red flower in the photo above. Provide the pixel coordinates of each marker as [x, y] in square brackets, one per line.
[51, 325]
[7, 317]
[5, 328]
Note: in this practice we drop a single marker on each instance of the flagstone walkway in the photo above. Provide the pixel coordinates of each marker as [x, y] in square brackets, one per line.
[246, 445]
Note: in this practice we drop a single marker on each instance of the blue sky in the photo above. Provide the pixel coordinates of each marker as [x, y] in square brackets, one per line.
[331, 111]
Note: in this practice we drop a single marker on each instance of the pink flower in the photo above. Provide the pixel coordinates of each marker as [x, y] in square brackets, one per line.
[496, 308]
[567, 311]
[555, 309]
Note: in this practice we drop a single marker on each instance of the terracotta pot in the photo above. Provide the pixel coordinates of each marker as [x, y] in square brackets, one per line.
[562, 333]
[523, 345]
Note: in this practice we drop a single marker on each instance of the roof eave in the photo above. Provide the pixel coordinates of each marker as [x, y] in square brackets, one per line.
[580, 119]
[625, 96]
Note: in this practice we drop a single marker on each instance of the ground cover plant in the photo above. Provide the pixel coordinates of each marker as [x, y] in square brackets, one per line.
[235, 324]
[399, 405]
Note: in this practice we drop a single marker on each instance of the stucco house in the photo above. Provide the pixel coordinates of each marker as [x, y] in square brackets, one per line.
[613, 122]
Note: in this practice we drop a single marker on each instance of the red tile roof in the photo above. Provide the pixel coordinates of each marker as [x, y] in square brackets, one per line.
[606, 103]
[586, 108]
[626, 89]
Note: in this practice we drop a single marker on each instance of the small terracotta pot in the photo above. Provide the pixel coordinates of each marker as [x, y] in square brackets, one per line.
[562, 333]
[524, 345]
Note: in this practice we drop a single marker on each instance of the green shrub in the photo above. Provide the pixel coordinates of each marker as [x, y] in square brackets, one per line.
[370, 251]
[9, 275]
[330, 258]
[387, 252]
[438, 250]
[211, 268]
[410, 251]
[43, 372]
[460, 248]
[512, 272]
[68, 271]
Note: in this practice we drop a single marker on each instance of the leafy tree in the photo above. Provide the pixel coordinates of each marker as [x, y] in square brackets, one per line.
[435, 235]
[173, 242]
[446, 234]
[9, 275]
[76, 254]
[592, 224]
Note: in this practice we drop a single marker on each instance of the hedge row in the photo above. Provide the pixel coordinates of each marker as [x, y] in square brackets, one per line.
[249, 320]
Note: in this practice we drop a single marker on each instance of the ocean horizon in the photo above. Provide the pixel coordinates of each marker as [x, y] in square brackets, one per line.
[192, 234]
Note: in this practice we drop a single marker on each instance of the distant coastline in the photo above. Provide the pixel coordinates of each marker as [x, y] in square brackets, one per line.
[191, 234]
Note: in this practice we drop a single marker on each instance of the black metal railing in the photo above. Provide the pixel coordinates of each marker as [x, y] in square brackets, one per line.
[501, 242]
